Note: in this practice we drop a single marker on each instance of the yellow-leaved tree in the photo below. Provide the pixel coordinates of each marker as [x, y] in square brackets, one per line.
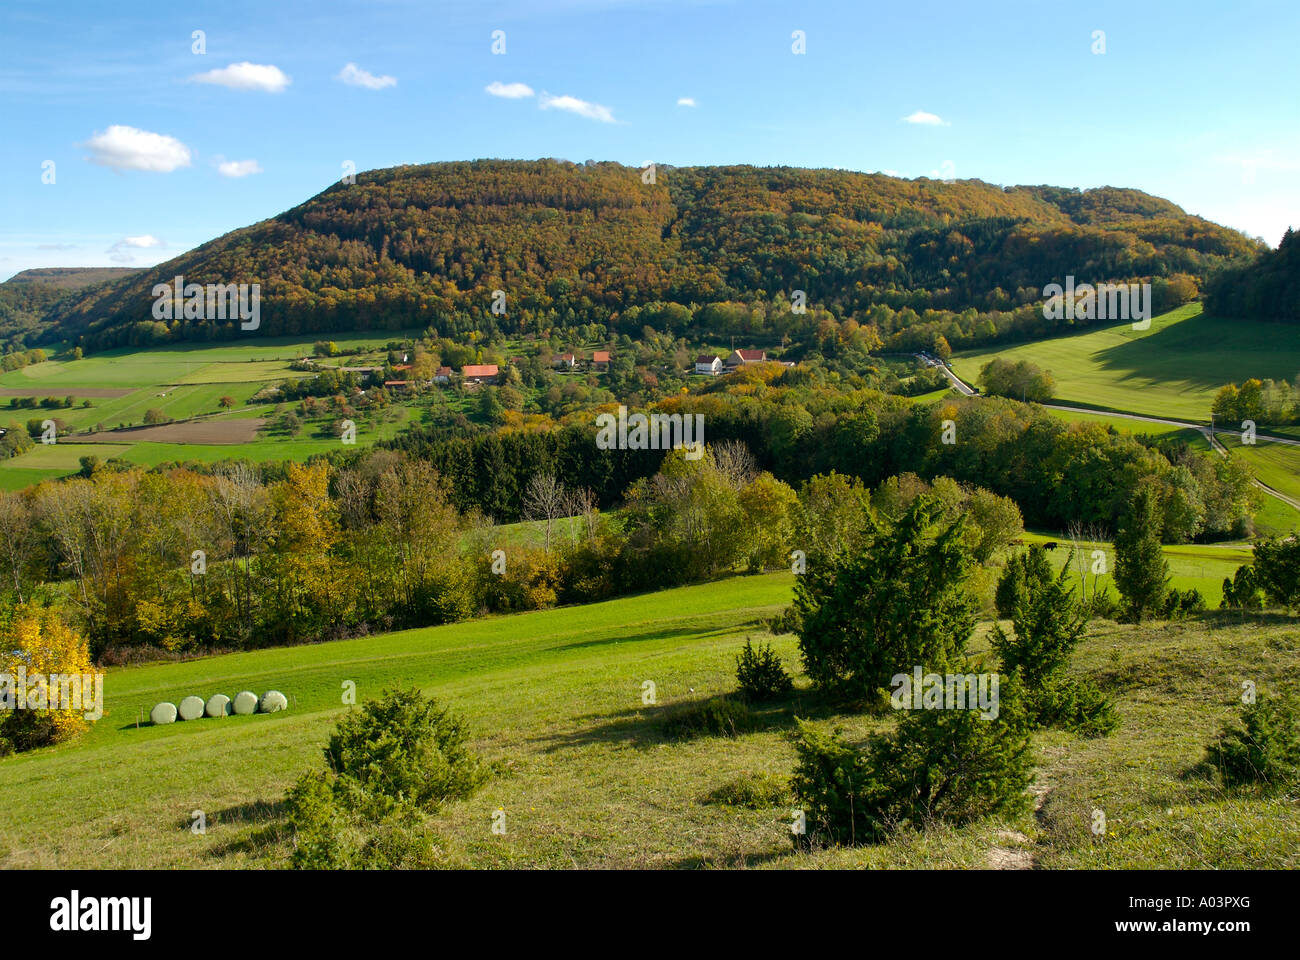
[36, 644]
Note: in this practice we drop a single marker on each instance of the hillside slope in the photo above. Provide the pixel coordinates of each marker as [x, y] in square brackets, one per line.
[576, 243]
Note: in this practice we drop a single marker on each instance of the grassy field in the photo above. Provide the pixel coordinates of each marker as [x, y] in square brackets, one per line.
[1171, 370]
[184, 382]
[588, 778]
[1276, 464]
[1194, 565]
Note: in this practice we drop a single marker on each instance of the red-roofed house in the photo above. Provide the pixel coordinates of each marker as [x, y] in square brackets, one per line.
[443, 375]
[600, 359]
[739, 358]
[564, 360]
[479, 372]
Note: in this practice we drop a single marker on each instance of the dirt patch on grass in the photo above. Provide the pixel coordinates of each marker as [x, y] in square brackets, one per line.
[191, 431]
[53, 391]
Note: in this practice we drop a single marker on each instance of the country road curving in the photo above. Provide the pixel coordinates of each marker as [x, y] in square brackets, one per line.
[1204, 430]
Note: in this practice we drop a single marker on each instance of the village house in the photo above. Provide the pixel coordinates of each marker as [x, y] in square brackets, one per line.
[708, 364]
[739, 358]
[567, 360]
[600, 359]
[443, 375]
[479, 372]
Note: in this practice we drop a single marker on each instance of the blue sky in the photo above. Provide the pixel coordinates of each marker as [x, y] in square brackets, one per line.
[157, 149]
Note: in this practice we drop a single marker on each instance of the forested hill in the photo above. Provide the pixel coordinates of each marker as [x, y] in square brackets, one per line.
[427, 245]
[31, 300]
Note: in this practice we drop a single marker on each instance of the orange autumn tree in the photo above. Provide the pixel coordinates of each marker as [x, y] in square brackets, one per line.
[35, 638]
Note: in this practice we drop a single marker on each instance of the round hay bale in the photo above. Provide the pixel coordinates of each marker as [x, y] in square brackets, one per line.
[273, 701]
[191, 708]
[218, 705]
[163, 713]
[245, 702]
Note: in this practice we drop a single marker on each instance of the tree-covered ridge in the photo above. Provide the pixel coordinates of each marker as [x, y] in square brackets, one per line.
[571, 243]
[1266, 289]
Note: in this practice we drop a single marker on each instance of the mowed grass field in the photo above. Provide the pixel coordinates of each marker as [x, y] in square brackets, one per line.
[1171, 370]
[588, 779]
[1277, 464]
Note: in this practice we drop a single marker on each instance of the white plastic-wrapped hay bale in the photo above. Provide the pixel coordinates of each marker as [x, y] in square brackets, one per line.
[218, 705]
[191, 708]
[245, 702]
[163, 713]
[272, 702]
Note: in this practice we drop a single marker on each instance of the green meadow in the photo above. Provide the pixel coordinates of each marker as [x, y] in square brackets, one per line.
[1173, 369]
[588, 778]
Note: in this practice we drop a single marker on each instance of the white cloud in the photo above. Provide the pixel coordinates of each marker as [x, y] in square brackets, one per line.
[246, 76]
[238, 168]
[118, 252]
[126, 148]
[511, 91]
[354, 76]
[685, 101]
[926, 119]
[592, 111]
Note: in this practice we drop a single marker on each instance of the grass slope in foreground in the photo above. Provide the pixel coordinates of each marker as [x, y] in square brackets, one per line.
[1171, 370]
[555, 698]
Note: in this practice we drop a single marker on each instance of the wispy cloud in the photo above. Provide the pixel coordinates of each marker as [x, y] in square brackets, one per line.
[126, 148]
[246, 76]
[511, 91]
[583, 108]
[685, 101]
[238, 168]
[926, 119]
[354, 76]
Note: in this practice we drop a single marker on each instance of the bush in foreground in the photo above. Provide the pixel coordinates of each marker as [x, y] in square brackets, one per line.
[760, 674]
[939, 765]
[1264, 751]
[390, 763]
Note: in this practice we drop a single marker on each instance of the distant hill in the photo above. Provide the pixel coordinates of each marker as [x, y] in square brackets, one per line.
[32, 301]
[71, 278]
[578, 243]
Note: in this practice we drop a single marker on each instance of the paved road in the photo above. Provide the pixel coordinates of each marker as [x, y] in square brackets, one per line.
[1215, 445]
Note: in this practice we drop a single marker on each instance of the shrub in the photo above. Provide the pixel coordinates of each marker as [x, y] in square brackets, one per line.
[1264, 751]
[402, 750]
[1074, 704]
[389, 764]
[1025, 573]
[903, 599]
[328, 836]
[752, 790]
[1141, 571]
[1182, 604]
[1277, 571]
[1047, 627]
[1241, 591]
[717, 717]
[939, 765]
[760, 673]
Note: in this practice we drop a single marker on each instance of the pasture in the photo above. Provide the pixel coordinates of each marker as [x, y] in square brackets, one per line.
[588, 778]
[1171, 370]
